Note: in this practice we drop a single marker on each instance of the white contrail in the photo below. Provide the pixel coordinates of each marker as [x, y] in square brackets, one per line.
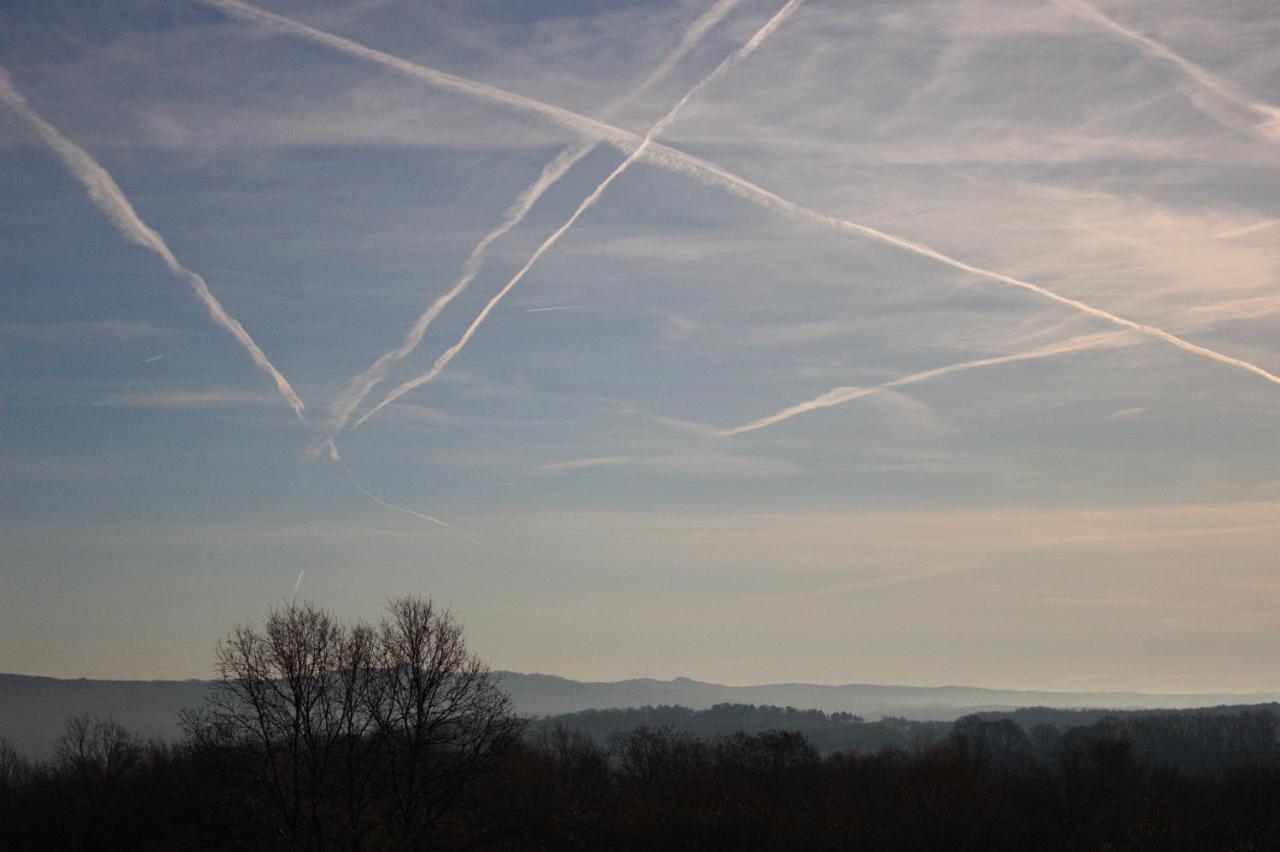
[703, 171]
[296, 584]
[111, 200]
[840, 395]
[360, 386]
[1197, 74]
[662, 124]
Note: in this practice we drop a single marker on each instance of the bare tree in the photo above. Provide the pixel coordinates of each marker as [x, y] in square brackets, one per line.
[443, 724]
[14, 768]
[95, 756]
[355, 737]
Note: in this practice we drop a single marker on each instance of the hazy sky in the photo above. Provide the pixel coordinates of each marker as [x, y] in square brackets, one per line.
[859, 195]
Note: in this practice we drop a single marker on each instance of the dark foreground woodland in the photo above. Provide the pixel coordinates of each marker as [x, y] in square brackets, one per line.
[392, 736]
[981, 788]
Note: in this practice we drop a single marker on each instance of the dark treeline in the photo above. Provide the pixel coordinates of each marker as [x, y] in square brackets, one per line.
[319, 736]
[1191, 740]
[985, 785]
[1064, 718]
[827, 732]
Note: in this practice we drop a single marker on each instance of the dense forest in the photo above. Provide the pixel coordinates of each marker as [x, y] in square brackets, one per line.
[825, 732]
[319, 736]
[1162, 737]
[1174, 781]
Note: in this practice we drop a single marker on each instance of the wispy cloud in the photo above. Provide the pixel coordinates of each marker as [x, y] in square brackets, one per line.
[584, 463]
[1246, 230]
[684, 465]
[841, 395]
[1134, 413]
[555, 308]
[74, 332]
[1196, 74]
[184, 399]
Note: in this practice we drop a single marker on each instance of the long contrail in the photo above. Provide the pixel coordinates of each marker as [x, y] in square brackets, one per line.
[111, 200]
[360, 386]
[660, 125]
[841, 395]
[706, 172]
[1199, 75]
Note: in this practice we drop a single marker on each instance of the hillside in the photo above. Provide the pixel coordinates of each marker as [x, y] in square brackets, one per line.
[33, 709]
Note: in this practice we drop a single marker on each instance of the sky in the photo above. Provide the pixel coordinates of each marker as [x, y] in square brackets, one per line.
[885, 342]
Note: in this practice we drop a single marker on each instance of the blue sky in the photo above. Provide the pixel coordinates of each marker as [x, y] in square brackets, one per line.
[1100, 511]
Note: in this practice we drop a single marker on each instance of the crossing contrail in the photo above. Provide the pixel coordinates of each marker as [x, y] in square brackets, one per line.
[111, 200]
[1199, 75]
[662, 124]
[361, 385]
[705, 172]
[841, 395]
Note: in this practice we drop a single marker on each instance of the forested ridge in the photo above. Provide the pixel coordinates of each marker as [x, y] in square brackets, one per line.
[1188, 780]
[323, 736]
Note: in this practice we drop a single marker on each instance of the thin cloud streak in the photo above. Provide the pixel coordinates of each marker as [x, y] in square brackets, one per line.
[361, 385]
[841, 395]
[662, 124]
[1197, 74]
[710, 174]
[582, 464]
[111, 200]
[1244, 231]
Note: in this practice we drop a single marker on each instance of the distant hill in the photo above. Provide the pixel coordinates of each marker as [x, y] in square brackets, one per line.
[33, 709]
[546, 695]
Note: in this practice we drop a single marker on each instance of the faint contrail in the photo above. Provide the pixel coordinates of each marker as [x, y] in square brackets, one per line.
[729, 62]
[360, 386]
[840, 395]
[705, 172]
[375, 498]
[111, 200]
[1233, 233]
[382, 502]
[296, 584]
[1196, 73]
